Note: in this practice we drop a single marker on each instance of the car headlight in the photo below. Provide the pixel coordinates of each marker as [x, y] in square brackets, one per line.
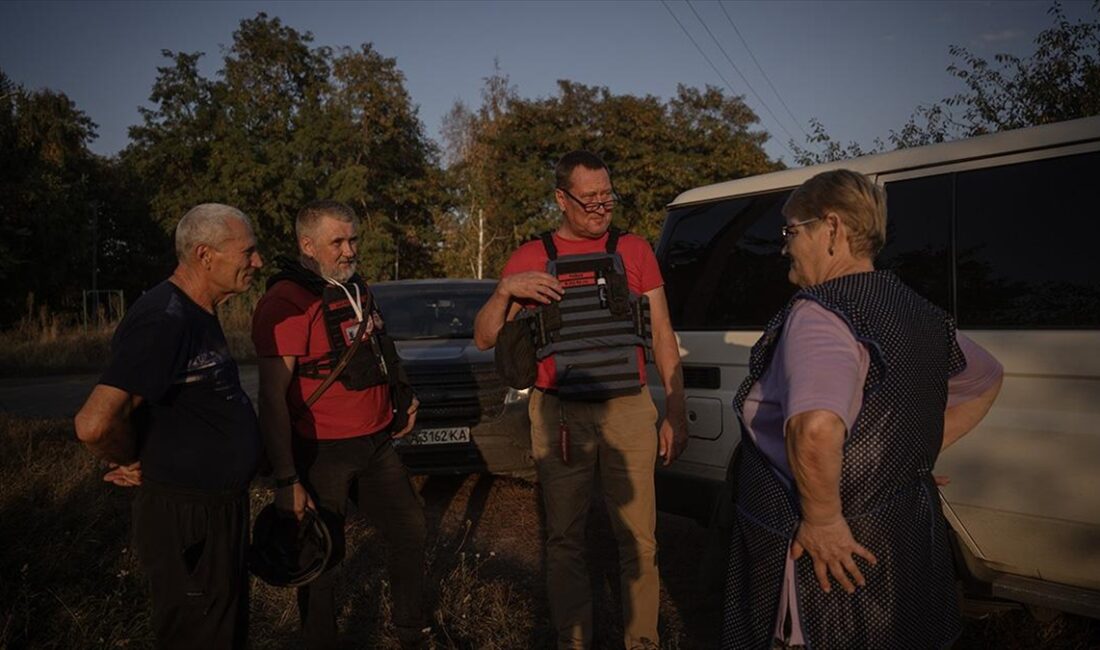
[513, 395]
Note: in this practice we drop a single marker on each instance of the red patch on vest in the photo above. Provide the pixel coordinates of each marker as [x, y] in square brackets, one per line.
[583, 279]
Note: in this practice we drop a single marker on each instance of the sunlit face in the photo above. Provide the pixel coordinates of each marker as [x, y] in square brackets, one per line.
[588, 186]
[807, 248]
[334, 246]
[234, 261]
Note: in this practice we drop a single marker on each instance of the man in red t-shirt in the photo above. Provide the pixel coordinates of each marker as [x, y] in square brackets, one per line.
[616, 438]
[311, 314]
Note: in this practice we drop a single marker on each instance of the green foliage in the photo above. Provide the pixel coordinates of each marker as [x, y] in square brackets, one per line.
[1059, 81]
[286, 123]
[503, 155]
[56, 199]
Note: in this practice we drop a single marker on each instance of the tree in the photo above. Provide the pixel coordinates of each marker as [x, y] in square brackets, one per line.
[286, 123]
[654, 148]
[1059, 81]
[58, 201]
[477, 223]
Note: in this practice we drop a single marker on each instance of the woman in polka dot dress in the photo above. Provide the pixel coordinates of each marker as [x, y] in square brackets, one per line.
[853, 390]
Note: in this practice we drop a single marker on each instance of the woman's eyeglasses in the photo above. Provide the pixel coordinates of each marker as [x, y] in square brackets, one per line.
[789, 229]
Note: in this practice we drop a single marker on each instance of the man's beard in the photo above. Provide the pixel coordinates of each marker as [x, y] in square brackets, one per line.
[338, 272]
[342, 272]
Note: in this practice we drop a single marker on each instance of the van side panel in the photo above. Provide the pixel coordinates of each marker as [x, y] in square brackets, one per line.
[1024, 483]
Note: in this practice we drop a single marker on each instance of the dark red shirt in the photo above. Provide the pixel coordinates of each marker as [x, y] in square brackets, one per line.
[642, 275]
[289, 322]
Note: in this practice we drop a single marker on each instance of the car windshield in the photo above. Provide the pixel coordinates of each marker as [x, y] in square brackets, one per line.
[425, 311]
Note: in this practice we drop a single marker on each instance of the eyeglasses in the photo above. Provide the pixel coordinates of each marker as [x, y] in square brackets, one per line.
[594, 206]
[789, 229]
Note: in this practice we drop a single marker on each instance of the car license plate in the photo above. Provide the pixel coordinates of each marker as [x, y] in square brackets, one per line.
[444, 436]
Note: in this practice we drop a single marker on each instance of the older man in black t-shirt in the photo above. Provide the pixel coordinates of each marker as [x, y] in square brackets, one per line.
[170, 416]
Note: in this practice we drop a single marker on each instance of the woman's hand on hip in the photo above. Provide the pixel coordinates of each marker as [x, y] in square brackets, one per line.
[832, 547]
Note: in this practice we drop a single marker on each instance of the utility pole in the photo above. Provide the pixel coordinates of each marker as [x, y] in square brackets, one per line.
[480, 240]
[95, 244]
[397, 246]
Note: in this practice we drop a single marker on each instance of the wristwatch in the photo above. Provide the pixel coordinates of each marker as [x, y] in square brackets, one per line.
[286, 482]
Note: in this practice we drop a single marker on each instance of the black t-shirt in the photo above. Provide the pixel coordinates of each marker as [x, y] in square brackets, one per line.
[196, 426]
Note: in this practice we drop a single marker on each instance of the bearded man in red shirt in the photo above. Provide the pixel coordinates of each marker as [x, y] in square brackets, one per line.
[323, 441]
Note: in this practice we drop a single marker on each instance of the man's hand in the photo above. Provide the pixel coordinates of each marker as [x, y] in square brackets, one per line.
[672, 438]
[124, 475]
[412, 419]
[831, 545]
[293, 500]
[533, 285]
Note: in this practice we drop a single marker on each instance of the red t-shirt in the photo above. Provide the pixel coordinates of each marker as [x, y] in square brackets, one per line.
[642, 275]
[289, 322]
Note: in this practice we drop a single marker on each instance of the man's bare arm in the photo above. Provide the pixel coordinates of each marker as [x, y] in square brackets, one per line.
[275, 376]
[103, 424]
[673, 435]
[532, 285]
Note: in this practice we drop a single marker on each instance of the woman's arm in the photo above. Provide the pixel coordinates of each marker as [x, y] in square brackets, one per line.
[971, 393]
[815, 443]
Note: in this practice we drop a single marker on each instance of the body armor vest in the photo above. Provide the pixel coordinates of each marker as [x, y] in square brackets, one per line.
[376, 355]
[594, 330]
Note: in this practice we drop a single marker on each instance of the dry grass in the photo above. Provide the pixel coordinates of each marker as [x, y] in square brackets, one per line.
[51, 343]
[67, 578]
[43, 343]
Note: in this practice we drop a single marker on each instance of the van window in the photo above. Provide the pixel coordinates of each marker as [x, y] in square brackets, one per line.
[1027, 245]
[722, 265]
[918, 236]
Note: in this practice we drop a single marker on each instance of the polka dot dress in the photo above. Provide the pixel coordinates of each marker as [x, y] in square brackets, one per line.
[887, 491]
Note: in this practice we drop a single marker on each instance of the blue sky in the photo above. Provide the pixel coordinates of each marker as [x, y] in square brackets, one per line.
[860, 67]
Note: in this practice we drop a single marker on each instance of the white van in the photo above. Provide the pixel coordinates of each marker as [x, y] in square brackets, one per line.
[1003, 232]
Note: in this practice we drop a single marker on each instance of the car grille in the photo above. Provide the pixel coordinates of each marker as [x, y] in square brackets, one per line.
[456, 393]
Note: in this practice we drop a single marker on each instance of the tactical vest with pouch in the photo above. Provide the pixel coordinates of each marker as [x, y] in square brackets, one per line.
[594, 331]
[371, 363]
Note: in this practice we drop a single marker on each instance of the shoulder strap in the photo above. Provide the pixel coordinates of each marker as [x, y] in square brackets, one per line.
[548, 243]
[340, 365]
[291, 269]
[613, 234]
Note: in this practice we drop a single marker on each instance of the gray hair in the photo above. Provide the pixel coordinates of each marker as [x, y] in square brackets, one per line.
[311, 214]
[208, 224]
[857, 200]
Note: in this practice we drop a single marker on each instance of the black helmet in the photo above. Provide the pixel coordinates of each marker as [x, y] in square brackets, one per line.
[286, 552]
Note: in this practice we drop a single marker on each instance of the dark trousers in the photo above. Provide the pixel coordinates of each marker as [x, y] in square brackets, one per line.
[192, 546]
[328, 469]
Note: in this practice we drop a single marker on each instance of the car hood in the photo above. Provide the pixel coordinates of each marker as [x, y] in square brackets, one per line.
[436, 350]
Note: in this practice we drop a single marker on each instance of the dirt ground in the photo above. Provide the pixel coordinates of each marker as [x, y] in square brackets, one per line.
[69, 580]
[500, 519]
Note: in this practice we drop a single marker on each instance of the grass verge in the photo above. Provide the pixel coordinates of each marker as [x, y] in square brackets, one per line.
[68, 578]
[48, 343]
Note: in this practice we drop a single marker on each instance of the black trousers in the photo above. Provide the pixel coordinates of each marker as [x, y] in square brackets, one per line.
[192, 546]
[329, 469]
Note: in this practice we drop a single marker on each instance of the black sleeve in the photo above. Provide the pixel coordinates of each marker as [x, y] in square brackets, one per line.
[148, 352]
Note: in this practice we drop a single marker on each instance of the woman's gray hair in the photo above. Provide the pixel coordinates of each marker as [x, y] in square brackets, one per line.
[860, 204]
[208, 224]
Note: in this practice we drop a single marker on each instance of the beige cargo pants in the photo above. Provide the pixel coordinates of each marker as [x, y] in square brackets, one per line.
[614, 442]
